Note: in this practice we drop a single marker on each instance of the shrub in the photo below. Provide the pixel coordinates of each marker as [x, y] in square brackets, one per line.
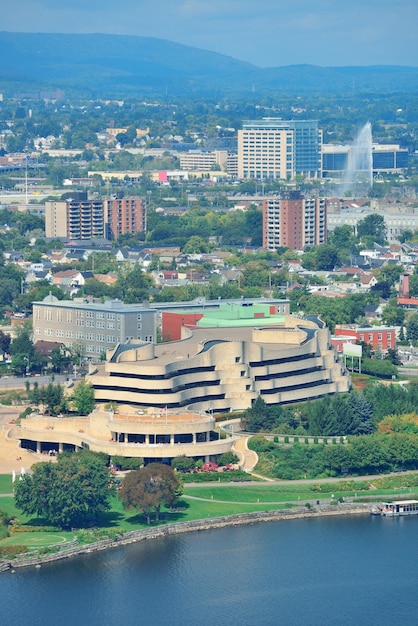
[227, 458]
[4, 532]
[10, 551]
[124, 463]
[260, 444]
[34, 529]
[183, 463]
[222, 477]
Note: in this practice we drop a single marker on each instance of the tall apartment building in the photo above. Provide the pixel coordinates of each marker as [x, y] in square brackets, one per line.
[124, 215]
[92, 327]
[294, 222]
[272, 148]
[77, 217]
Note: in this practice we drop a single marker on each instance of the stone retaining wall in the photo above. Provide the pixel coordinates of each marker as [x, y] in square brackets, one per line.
[185, 527]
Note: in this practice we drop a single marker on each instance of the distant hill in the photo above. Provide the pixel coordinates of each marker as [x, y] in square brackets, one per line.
[115, 65]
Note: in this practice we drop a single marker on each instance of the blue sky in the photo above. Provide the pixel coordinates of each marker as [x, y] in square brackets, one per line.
[264, 32]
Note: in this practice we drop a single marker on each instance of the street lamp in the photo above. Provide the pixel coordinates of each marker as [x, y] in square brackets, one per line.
[25, 358]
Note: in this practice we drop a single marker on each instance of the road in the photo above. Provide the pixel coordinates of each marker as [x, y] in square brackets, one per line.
[18, 382]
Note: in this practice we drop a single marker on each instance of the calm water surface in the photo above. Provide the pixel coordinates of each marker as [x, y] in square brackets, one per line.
[347, 570]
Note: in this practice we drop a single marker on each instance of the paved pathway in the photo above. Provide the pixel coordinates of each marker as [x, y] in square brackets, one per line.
[248, 458]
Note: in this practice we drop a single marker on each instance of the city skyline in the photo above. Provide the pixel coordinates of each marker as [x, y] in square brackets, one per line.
[268, 33]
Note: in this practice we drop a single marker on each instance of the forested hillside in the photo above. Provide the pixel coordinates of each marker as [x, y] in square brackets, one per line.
[112, 64]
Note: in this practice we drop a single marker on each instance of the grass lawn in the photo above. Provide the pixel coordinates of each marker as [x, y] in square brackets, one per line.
[6, 485]
[37, 539]
[217, 501]
[7, 505]
[287, 493]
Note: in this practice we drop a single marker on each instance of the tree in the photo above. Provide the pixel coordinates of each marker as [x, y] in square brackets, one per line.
[372, 226]
[83, 398]
[22, 350]
[72, 492]
[342, 237]
[149, 488]
[52, 397]
[393, 356]
[413, 285]
[412, 328]
[183, 463]
[4, 341]
[362, 413]
[327, 257]
[133, 284]
[382, 288]
[227, 458]
[393, 316]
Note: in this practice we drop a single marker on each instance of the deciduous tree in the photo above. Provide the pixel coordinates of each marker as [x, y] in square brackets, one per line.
[149, 488]
[72, 492]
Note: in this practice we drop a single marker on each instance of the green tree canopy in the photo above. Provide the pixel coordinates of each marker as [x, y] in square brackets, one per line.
[373, 226]
[149, 488]
[83, 398]
[70, 493]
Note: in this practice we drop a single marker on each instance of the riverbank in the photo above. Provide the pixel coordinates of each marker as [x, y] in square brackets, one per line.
[186, 527]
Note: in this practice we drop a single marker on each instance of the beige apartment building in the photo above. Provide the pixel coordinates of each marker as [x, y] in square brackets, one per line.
[202, 161]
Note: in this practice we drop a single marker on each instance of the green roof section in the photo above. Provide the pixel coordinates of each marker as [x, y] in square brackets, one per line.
[240, 315]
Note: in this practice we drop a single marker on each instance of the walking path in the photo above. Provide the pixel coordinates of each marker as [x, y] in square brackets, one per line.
[248, 458]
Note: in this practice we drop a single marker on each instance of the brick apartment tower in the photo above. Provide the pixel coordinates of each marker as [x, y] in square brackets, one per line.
[124, 215]
[294, 222]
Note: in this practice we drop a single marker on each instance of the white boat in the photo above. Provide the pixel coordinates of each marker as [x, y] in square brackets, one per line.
[396, 508]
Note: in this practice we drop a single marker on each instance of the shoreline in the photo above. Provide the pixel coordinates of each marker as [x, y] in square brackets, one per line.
[178, 528]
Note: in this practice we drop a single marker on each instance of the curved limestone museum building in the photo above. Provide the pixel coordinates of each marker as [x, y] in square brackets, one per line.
[165, 394]
[223, 362]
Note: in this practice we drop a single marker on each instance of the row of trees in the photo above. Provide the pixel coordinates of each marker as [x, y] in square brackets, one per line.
[349, 414]
[354, 413]
[76, 491]
[365, 454]
[55, 402]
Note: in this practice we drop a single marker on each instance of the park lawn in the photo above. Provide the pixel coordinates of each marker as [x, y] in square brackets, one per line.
[37, 540]
[188, 510]
[7, 505]
[270, 493]
[287, 493]
[231, 494]
[6, 485]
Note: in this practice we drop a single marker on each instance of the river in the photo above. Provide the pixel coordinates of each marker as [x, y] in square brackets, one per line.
[355, 570]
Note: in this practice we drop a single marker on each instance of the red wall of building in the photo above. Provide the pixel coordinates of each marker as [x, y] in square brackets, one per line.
[172, 323]
[379, 338]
